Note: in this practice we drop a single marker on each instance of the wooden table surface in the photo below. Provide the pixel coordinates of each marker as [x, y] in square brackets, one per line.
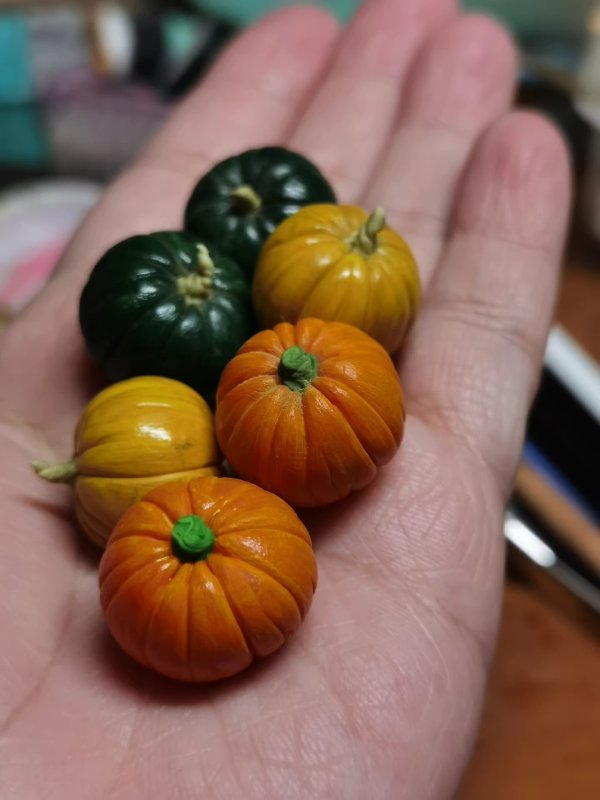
[540, 733]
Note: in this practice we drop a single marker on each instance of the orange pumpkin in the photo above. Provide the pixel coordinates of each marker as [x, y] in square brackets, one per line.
[309, 411]
[198, 578]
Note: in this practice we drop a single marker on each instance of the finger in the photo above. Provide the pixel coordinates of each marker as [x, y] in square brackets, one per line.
[240, 104]
[473, 361]
[463, 80]
[348, 120]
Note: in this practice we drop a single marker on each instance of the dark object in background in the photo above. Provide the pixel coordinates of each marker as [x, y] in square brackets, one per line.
[566, 434]
[174, 73]
[539, 94]
[554, 517]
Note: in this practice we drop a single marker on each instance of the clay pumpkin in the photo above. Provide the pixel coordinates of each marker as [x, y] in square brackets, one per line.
[165, 304]
[199, 578]
[132, 437]
[242, 199]
[310, 411]
[338, 263]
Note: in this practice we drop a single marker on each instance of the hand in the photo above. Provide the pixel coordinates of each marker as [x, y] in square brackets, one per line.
[378, 696]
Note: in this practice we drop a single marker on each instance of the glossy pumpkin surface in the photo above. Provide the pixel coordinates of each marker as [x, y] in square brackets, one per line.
[339, 263]
[199, 578]
[309, 411]
[165, 304]
[132, 437]
[243, 199]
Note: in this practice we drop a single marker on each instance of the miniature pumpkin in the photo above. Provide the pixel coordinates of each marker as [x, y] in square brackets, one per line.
[165, 304]
[243, 199]
[199, 578]
[338, 263]
[309, 411]
[131, 437]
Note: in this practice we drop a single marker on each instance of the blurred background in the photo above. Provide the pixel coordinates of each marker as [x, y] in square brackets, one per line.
[85, 83]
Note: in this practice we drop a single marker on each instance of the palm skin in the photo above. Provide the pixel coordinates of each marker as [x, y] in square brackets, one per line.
[378, 695]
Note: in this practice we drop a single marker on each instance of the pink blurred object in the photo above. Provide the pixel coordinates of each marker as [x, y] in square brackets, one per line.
[36, 223]
[29, 276]
[96, 126]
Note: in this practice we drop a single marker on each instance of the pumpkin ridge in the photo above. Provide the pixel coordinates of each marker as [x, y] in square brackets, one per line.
[232, 611]
[400, 289]
[352, 391]
[215, 509]
[246, 567]
[308, 330]
[368, 295]
[322, 333]
[162, 510]
[83, 515]
[143, 310]
[165, 245]
[149, 566]
[265, 572]
[129, 388]
[275, 273]
[146, 535]
[84, 473]
[308, 461]
[94, 534]
[82, 511]
[132, 323]
[158, 604]
[269, 528]
[249, 532]
[266, 341]
[356, 386]
[278, 421]
[245, 413]
[188, 622]
[349, 429]
[120, 563]
[260, 376]
[321, 278]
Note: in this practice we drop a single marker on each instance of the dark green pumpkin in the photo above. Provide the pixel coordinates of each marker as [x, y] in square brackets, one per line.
[244, 198]
[164, 304]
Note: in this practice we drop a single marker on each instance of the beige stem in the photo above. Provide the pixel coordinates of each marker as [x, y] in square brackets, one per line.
[245, 200]
[198, 286]
[365, 238]
[56, 473]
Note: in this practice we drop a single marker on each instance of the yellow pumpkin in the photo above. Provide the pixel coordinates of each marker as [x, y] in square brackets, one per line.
[338, 263]
[132, 437]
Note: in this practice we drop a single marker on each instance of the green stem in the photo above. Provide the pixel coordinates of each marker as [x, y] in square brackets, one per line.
[365, 238]
[244, 200]
[297, 368]
[56, 473]
[198, 285]
[192, 540]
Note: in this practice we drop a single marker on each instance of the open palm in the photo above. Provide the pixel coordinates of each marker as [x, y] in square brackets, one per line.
[378, 695]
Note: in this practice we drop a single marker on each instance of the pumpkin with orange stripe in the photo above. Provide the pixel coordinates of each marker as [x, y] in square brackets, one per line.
[198, 578]
[310, 411]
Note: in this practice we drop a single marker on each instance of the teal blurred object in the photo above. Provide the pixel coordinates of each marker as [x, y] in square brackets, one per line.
[538, 18]
[16, 79]
[242, 12]
[23, 141]
[524, 17]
